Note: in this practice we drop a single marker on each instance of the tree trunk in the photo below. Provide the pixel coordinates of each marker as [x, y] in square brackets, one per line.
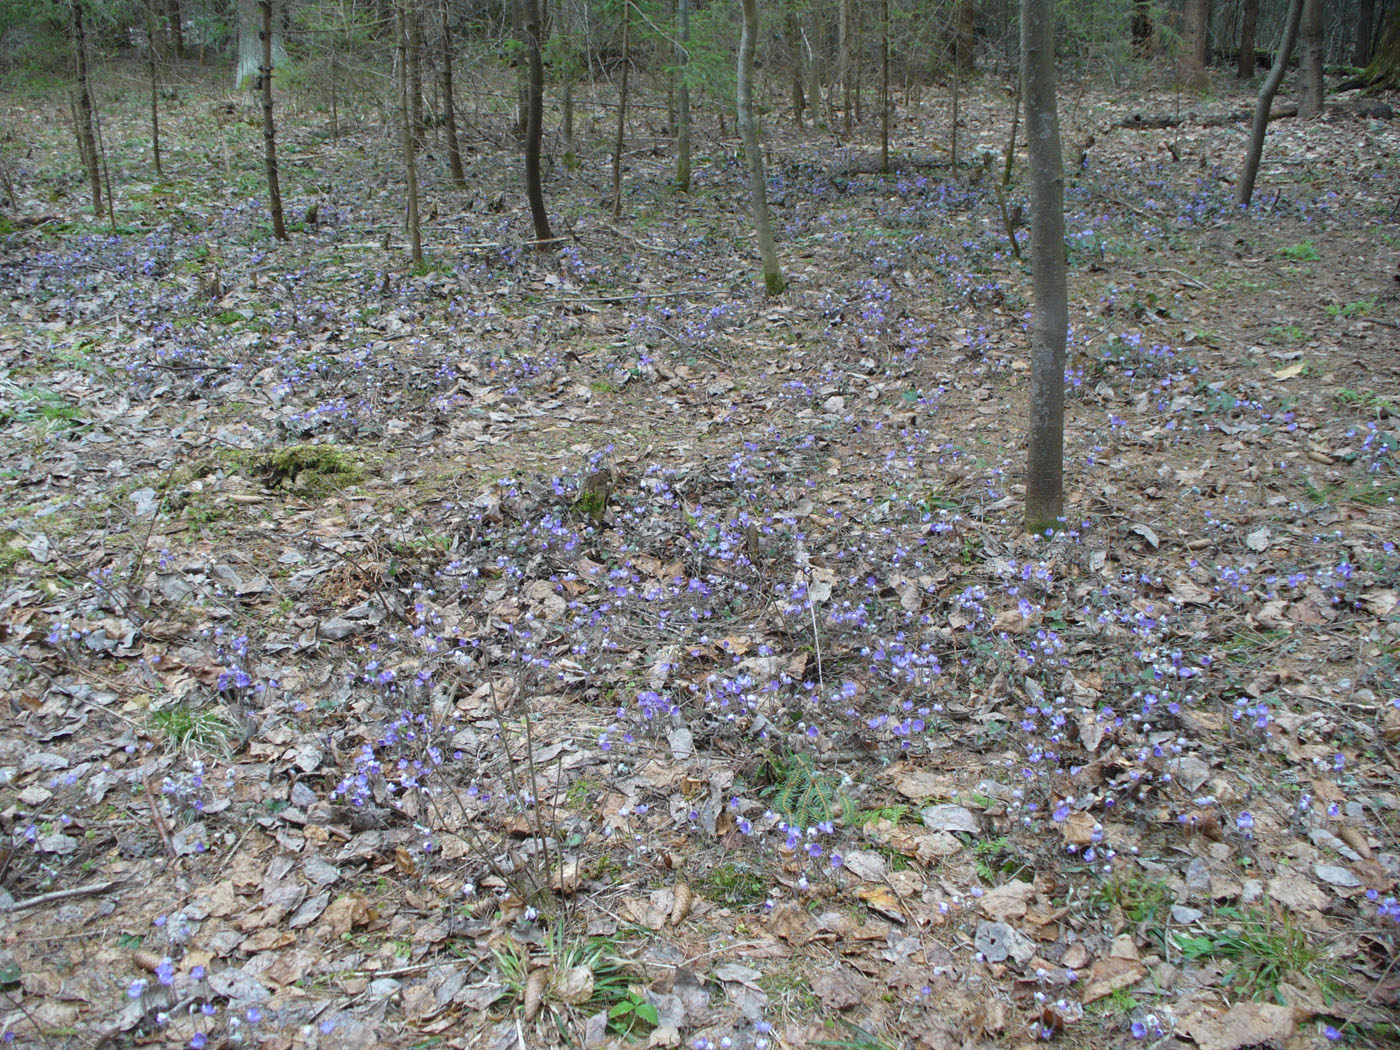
[965, 53]
[1142, 28]
[87, 136]
[957, 98]
[414, 27]
[1266, 100]
[748, 130]
[1365, 18]
[410, 163]
[683, 95]
[1050, 323]
[1248, 24]
[449, 101]
[813, 68]
[1310, 51]
[534, 123]
[1384, 67]
[274, 189]
[151, 29]
[799, 97]
[885, 87]
[177, 27]
[843, 62]
[621, 111]
[1195, 41]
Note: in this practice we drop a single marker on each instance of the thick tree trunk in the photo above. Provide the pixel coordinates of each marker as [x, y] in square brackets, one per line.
[87, 136]
[274, 189]
[683, 95]
[449, 101]
[1384, 67]
[1195, 44]
[1050, 322]
[1365, 19]
[799, 95]
[1310, 50]
[621, 138]
[177, 27]
[773, 279]
[965, 47]
[531, 27]
[1245, 190]
[410, 163]
[1249, 22]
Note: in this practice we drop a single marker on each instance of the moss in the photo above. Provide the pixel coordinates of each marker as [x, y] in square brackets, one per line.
[309, 468]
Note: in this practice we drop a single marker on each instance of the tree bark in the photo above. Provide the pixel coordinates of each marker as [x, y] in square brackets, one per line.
[1050, 322]
[274, 189]
[1310, 51]
[87, 136]
[1270, 88]
[965, 53]
[621, 138]
[843, 62]
[449, 101]
[531, 27]
[151, 29]
[1384, 67]
[177, 27]
[1365, 19]
[1249, 22]
[414, 27]
[773, 279]
[410, 163]
[885, 87]
[1195, 43]
[683, 95]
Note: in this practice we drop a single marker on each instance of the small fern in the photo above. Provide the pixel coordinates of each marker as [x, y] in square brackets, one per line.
[801, 793]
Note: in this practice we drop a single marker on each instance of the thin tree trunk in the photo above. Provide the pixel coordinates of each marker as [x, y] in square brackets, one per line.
[1365, 18]
[812, 62]
[414, 27]
[843, 62]
[773, 279]
[683, 95]
[410, 163]
[1310, 50]
[155, 85]
[274, 189]
[1050, 322]
[567, 120]
[885, 88]
[799, 98]
[1266, 100]
[534, 123]
[87, 137]
[1249, 23]
[957, 95]
[621, 138]
[449, 101]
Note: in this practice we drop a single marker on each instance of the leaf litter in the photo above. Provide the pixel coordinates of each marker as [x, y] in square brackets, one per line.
[530, 652]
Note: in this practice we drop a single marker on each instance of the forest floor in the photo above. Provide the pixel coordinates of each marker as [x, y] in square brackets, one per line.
[582, 648]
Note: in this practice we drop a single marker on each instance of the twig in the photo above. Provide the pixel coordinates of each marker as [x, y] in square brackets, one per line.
[58, 895]
[159, 820]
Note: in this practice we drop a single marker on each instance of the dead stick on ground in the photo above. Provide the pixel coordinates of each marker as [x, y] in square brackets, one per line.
[58, 895]
[159, 820]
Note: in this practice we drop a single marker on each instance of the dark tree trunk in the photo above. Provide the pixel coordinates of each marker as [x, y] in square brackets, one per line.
[683, 95]
[177, 27]
[1142, 28]
[1310, 51]
[965, 53]
[274, 189]
[155, 85]
[449, 101]
[531, 25]
[1050, 320]
[1266, 100]
[1365, 18]
[885, 87]
[414, 27]
[1384, 67]
[87, 135]
[747, 120]
[621, 138]
[410, 163]
[1248, 24]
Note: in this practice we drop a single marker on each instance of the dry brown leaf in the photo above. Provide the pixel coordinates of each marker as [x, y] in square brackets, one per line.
[1245, 1024]
[1108, 975]
[1007, 901]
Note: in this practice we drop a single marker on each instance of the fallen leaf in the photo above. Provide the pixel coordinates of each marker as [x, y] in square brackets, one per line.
[1245, 1024]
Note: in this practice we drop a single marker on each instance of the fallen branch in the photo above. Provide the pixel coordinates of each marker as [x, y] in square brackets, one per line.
[1364, 108]
[59, 895]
